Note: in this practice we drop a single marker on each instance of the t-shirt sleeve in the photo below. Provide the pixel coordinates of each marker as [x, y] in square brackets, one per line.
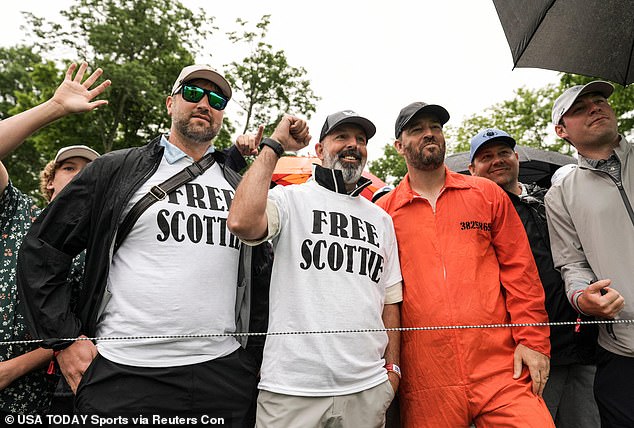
[276, 214]
[392, 274]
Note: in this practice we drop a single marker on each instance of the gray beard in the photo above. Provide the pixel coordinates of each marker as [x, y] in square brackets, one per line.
[351, 174]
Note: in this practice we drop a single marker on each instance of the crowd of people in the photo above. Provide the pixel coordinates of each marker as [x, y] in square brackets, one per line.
[149, 263]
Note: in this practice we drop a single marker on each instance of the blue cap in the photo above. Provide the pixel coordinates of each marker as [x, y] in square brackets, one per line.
[488, 135]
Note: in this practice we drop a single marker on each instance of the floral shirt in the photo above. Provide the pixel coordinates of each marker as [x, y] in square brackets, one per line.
[31, 393]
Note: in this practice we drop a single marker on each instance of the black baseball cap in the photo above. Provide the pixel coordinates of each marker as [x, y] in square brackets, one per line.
[347, 116]
[408, 112]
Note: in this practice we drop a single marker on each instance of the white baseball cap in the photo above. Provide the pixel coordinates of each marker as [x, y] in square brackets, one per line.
[76, 151]
[570, 95]
[205, 72]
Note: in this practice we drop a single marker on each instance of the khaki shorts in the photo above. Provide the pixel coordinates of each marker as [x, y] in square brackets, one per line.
[362, 409]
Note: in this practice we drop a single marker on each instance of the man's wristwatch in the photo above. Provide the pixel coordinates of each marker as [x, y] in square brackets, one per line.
[394, 369]
[277, 147]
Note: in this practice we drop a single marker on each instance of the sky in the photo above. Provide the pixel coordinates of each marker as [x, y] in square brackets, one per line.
[373, 57]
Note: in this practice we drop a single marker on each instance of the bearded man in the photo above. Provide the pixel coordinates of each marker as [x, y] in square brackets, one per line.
[465, 260]
[177, 273]
[335, 268]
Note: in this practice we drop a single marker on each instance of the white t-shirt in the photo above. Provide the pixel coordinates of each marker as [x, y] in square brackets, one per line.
[335, 255]
[175, 273]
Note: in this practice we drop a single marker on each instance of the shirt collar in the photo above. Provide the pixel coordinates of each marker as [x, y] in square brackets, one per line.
[405, 195]
[620, 153]
[173, 154]
[332, 179]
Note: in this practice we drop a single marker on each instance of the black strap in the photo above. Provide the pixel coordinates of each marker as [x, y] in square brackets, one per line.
[160, 192]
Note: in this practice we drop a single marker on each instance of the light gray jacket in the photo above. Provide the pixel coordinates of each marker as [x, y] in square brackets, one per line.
[591, 226]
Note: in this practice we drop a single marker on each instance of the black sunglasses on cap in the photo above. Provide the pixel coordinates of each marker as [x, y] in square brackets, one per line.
[194, 94]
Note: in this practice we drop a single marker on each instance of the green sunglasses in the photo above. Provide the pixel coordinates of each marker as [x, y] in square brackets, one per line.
[194, 94]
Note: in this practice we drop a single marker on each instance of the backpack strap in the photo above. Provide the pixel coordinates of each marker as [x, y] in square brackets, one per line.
[160, 192]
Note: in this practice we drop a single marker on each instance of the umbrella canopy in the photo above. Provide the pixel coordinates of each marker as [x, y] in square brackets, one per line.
[298, 169]
[590, 37]
[536, 166]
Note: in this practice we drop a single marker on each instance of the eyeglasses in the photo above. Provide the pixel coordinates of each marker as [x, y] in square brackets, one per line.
[194, 94]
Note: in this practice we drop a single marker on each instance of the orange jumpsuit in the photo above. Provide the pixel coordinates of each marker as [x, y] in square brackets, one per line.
[468, 263]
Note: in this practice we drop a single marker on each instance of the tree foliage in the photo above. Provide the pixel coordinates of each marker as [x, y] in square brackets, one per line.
[141, 45]
[269, 86]
[26, 80]
[391, 168]
[526, 117]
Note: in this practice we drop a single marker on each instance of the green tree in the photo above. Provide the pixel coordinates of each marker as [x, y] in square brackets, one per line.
[269, 86]
[526, 117]
[26, 79]
[141, 45]
[391, 168]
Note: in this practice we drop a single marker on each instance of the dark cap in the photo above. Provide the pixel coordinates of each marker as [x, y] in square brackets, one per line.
[486, 136]
[347, 116]
[408, 112]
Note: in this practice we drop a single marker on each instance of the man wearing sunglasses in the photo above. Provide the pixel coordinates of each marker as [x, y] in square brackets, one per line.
[175, 273]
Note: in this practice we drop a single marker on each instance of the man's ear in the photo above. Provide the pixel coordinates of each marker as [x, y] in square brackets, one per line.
[471, 169]
[560, 130]
[168, 103]
[319, 150]
[398, 145]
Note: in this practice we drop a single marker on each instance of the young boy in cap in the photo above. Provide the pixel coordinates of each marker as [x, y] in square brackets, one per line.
[336, 268]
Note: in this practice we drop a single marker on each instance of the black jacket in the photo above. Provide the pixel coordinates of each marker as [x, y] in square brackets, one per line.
[567, 347]
[85, 215]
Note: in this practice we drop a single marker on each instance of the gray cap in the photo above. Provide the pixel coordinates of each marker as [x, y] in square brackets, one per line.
[486, 136]
[205, 72]
[570, 95]
[408, 112]
[76, 151]
[347, 116]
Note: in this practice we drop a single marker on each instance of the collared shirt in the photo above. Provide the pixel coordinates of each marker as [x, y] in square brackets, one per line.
[611, 165]
[174, 154]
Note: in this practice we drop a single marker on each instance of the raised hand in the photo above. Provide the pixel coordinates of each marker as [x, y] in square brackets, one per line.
[292, 133]
[75, 96]
[247, 144]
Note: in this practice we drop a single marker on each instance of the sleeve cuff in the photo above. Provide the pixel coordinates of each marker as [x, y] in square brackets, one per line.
[394, 293]
[273, 224]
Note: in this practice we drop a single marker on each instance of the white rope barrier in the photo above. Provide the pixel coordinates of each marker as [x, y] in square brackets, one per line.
[343, 331]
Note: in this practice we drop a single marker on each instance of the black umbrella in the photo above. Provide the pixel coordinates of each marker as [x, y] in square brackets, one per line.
[590, 37]
[536, 166]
